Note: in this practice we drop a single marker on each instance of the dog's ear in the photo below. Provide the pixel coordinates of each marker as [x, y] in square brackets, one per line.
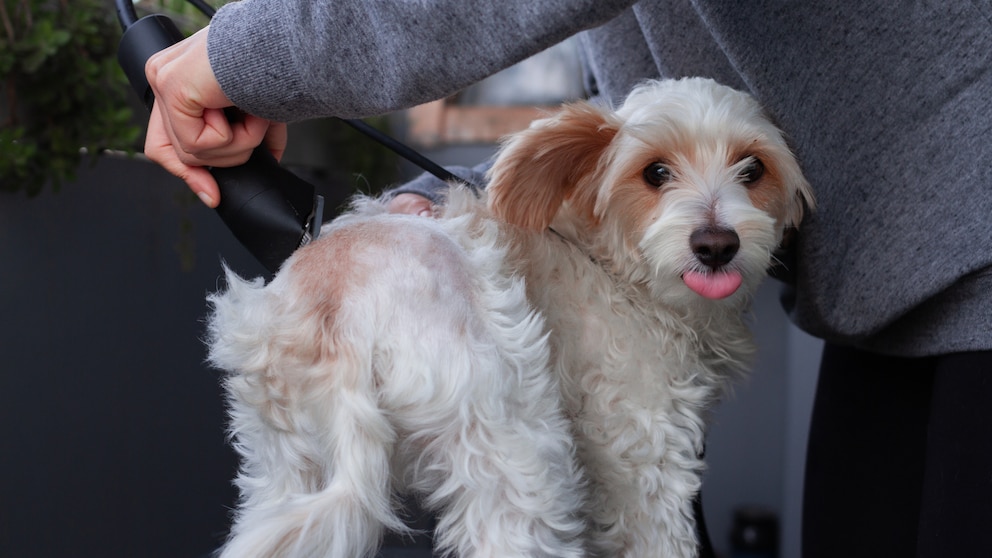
[802, 198]
[794, 195]
[539, 168]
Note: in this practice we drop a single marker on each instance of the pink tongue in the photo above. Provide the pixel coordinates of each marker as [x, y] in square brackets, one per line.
[713, 285]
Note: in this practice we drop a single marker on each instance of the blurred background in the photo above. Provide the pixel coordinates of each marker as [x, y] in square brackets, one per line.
[112, 427]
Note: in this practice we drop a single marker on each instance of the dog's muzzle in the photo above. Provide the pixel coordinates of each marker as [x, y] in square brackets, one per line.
[714, 248]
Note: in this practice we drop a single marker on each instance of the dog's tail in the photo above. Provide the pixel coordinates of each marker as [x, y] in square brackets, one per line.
[345, 519]
[297, 498]
[330, 523]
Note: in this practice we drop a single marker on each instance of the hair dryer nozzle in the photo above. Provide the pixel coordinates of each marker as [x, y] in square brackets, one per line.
[270, 210]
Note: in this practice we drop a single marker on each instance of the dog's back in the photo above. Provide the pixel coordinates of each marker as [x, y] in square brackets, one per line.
[395, 353]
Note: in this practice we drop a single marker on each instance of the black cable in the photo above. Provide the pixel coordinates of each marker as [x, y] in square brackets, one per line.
[128, 16]
[125, 13]
[405, 151]
[205, 8]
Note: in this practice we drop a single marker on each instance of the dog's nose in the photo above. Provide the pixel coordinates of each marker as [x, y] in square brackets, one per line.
[714, 247]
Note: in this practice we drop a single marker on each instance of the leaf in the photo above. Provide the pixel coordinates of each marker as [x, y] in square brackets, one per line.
[62, 69]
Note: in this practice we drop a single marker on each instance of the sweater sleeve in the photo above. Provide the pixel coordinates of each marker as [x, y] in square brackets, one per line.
[432, 188]
[290, 60]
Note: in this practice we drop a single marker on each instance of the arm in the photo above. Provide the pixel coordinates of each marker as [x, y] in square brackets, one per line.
[282, 60]
[353, 58]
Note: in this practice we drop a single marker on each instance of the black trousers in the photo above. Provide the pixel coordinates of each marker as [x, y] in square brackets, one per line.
[899, 462]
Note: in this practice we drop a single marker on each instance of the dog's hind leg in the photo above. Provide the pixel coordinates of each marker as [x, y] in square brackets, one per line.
[344, 517]
[316, 448]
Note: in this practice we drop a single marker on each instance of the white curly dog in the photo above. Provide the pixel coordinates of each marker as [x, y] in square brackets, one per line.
[536, 364]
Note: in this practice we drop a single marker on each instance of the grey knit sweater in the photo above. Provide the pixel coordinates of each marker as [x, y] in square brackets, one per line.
[887, 104]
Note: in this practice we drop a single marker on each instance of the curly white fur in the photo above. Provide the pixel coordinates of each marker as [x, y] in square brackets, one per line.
[532, 363]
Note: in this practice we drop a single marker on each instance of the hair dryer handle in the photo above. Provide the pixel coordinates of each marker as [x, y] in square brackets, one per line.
[270, 210]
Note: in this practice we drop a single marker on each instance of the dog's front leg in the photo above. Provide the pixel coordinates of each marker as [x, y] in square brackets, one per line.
[510, 492]
[494, 452]
[644, 474]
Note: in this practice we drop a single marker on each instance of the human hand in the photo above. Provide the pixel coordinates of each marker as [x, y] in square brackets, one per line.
[411, 204]
[189, 128]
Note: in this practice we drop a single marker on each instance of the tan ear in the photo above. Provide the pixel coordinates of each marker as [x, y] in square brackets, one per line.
[802, 201]
[539, 168]
[802, 198]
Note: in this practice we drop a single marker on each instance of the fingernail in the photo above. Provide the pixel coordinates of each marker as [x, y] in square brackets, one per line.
[207, 200]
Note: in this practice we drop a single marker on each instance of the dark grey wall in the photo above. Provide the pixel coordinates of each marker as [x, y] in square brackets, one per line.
[112, 426]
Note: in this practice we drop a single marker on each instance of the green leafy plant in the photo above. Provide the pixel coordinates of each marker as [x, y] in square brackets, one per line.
[62, 92]
[63, 97]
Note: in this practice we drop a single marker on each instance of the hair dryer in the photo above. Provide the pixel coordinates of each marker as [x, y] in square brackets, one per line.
[270, 210]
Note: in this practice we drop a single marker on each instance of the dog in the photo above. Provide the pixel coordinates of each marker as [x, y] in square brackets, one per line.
[536, 364]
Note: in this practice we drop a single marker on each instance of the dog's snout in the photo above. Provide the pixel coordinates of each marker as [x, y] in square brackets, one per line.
[714, 247]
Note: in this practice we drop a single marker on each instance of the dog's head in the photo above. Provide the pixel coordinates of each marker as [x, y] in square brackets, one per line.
[687, 188]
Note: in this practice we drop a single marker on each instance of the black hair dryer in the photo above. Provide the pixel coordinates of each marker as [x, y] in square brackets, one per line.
[270, 210]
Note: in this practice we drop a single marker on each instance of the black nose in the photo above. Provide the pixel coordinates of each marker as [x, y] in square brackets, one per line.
[714, 247]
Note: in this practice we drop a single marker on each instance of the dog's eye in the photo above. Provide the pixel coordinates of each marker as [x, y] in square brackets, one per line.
[657, 174]
[752, 171]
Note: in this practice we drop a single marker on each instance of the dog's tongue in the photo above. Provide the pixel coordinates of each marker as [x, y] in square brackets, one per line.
[713, 285]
